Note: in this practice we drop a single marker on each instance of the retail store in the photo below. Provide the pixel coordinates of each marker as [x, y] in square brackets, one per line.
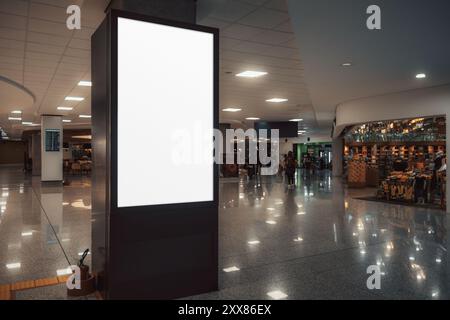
[314, 155]
[405, 160]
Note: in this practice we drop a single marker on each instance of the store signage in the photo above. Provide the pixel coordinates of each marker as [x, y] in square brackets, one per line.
[165, 85]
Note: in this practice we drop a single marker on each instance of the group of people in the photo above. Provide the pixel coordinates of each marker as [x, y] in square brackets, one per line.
[290, 165]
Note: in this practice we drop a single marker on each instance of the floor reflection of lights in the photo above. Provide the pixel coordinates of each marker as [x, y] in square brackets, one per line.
[277, 295]
[231, 269]
[14, 265]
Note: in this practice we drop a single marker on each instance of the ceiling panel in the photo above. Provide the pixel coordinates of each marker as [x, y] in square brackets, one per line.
[12, 44]
[49, 13]
[43, 38]
[53, 28]
[80, 44]
[45, 48]
[265, 18]
[78, 53]
[273, 37]
[59, 3]
[231, 10]
[11, 60]
[14, 34]
[280, 5]
[11, 52]
[16, 7]
[13, 21]
[240, 31]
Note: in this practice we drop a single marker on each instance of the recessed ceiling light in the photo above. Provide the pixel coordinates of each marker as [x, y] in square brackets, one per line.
[252, 118]
[254, 242]
[421, 76]
[85, 116]
[277, 100]
[26, 123]
[271, 222]
[85, 84]
[65, 108]
[16, 112]
[298, 239]
[27, 233]
[277, 295]
[346, 64]
[296, 120]
[67, 121]
[232, 109]
[15, 119]
[251, 74]
[74, 98]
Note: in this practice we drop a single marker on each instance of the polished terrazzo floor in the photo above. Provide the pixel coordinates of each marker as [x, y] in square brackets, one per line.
[312, 242]
[42, 227]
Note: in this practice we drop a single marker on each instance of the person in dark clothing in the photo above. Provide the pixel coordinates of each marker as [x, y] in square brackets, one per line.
[291, 166]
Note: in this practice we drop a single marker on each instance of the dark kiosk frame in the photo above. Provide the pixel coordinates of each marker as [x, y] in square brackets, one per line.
[150, 252]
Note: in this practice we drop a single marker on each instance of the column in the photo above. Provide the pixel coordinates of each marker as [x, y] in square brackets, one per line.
[338, 156]
[51, 148]
[36, 153]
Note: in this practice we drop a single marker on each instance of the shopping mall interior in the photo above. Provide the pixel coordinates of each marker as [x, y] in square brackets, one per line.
[361, 114]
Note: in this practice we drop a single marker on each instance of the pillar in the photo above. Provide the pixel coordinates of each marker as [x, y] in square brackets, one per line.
[51, 148]
[36, 153]
[338, 156]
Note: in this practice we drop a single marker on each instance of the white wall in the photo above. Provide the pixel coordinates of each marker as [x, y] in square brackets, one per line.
[403, 105]
[51, 162]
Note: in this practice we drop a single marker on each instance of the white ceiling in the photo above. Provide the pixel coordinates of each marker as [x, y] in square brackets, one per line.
[40, 53]
[414, 38]
[257, 35]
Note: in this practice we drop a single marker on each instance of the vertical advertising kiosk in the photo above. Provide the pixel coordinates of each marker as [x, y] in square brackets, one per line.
[155, 184]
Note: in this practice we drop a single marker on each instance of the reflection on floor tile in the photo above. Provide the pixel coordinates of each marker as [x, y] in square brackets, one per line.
[319, 246]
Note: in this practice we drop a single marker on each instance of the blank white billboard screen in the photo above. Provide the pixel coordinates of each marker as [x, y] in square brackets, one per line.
[165, 115]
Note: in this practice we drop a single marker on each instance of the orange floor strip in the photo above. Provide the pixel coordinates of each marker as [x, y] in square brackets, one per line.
[23, 285]
[63, 279]
[7, 291]
[47, 282]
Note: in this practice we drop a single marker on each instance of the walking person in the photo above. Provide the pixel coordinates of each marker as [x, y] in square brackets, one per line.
[291, 166]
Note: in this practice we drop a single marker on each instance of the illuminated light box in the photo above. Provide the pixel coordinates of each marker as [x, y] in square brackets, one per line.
[165, 107]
